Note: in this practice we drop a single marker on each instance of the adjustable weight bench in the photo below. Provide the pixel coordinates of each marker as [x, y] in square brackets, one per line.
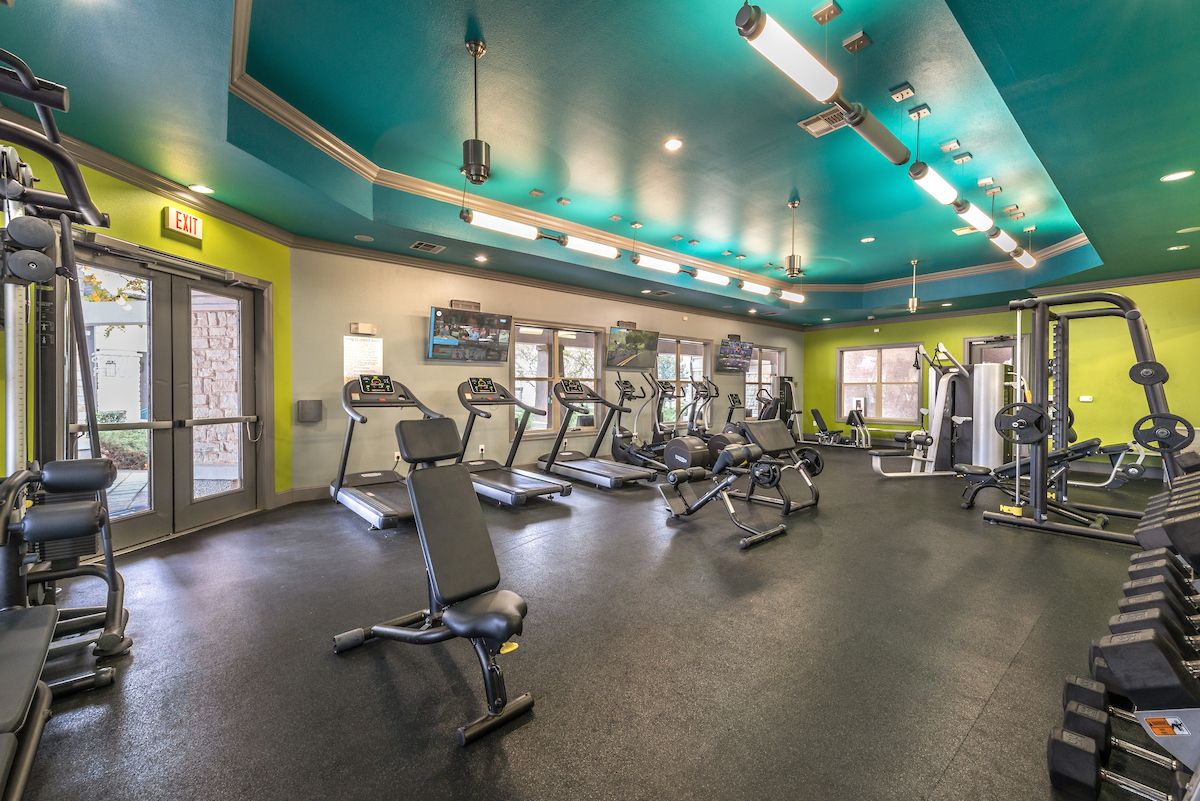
[779, 455]
[1004, 478]
[25, 635]
[461, 567]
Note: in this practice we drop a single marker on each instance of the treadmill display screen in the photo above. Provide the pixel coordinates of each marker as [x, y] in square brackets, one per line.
[482, 386]
[735, 400]
[573, 386]
[375, 384]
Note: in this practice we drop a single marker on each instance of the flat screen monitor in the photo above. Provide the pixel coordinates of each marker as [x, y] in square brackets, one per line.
[734, 356]
[468, 336]
[631, 349]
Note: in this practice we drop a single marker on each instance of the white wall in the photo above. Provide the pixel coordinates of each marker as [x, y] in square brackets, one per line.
[331, 291]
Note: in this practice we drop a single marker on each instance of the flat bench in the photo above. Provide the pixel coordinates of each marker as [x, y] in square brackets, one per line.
[25, 635]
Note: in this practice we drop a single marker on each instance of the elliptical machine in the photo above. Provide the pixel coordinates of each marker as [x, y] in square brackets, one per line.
[627, 446]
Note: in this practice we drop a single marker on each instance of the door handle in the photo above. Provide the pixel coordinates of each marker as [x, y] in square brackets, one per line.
[192, 422]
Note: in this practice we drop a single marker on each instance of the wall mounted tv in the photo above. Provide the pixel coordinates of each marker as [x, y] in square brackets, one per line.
[734, 356]
[468, 336]
[631, 349]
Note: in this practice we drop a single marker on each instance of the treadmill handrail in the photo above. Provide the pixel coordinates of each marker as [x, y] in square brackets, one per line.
[506, 398]
[593, 397]
[411, 400]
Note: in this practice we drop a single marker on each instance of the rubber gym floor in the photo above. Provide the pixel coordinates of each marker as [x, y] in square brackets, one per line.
[891, 646]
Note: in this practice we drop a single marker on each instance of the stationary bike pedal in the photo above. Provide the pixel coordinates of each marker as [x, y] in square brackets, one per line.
[509, 647]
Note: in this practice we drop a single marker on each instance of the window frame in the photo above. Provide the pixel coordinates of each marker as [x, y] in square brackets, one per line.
[705, 366]
[879, 383]
[747, 398]
[553, 414]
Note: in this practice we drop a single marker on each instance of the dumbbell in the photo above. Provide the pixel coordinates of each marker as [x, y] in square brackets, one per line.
[1097, 695]
[1161, 620]
[1095, 723]
[1159, 583]
[1148, 669]
[1161, 600]
[1167, 568]
[1076, 770]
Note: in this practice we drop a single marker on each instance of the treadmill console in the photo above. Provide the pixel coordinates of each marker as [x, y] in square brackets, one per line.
[375, 384]
[482, 386]
[624, 385]
[735, 400]
[573, 386]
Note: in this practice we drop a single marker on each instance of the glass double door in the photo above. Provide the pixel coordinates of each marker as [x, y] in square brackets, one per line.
[172, 359]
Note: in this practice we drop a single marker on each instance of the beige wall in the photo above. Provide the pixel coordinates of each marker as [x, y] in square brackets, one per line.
[331, 291]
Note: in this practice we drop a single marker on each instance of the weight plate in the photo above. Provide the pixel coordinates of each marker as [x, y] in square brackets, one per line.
[30, 266]
[812, 461]
[30, 233]
[1147, 373]
[1163, 433]
[1022, 423]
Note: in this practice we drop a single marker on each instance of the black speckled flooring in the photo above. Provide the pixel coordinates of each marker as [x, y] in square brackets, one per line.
[891, 646]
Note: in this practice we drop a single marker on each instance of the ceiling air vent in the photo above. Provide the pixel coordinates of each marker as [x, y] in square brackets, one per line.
[966, 229]
[824, 122]
[770, 314]
[427, 247]
[661, 293]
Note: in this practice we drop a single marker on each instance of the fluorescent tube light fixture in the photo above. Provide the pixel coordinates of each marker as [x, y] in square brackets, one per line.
[791, 297]
[928, 179]
[755, 289]
[582, 245]
[652, 263]
[974, 216]
[770, 39]
[499, 224]
[1025, 259]
[1003, 241]
[710, 277]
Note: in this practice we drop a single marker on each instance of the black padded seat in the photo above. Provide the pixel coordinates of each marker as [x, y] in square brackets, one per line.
[889, 452]
[25, 636]
[495, 615]
[773, 436]
[8, 751]
[972, 469]
[62, 521]
[1113, 450]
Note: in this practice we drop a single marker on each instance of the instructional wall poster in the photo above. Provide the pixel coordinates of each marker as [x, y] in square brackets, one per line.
[361, 356]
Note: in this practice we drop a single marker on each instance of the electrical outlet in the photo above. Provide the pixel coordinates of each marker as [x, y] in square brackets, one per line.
[1085, 398]
[481, 450]
[397, 456]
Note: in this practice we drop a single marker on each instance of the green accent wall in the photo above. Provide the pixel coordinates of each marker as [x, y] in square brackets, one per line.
[136, 216]
[1101, 356]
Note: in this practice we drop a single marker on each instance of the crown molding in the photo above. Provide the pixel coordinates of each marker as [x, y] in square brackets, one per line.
[366, 254]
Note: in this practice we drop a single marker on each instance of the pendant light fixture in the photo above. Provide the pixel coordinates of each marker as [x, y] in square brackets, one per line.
[792, 263]
[913, 302]
[477, 154]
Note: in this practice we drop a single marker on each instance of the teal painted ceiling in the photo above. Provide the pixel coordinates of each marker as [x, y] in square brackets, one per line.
[577, 98]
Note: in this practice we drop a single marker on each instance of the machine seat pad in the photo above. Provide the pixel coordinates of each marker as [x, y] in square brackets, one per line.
[973, 469]
[1113, 450]
[62, 521]
[25, 636]
[891, 452]
[8, 752]
[495, 615]
[454, 536]
[773, 436]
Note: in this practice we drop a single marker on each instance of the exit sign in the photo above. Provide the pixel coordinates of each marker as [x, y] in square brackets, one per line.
[182, 223]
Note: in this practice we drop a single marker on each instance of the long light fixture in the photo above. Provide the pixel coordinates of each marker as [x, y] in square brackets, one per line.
[791, 58]
[653, 263]
[477, 154]
[582, 245]
[928, 179]
[504, 226]
[791, 297]
[973, 216]
[1002, 240]
[1025, 259]
[914, 302]
[755, 289]
[709, 277]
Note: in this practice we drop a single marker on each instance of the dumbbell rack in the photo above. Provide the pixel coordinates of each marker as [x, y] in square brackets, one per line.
[1145, 674]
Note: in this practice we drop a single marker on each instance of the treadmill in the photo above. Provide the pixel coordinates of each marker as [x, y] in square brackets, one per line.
[502, 483]
[378, 496]
[586, 467]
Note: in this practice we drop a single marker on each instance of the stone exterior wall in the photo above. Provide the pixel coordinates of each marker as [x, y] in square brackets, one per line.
[216, 375]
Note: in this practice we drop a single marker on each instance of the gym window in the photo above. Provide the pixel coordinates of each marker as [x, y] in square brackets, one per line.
[881, 381]
[766, 364]
[544, 354]
[679, 361]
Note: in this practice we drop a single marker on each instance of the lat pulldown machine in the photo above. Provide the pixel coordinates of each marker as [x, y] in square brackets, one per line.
[1045, 420]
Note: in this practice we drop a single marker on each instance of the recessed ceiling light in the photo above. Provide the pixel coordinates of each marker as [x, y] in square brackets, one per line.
[364, 238]
[673, 144]
[202, 189]
[754, 311]
[615, 217]
[1177, 176]
[1179, 247]
[945, 305]
[693, 242]
[1192, 230]
[826, 319]
[536, 193]
[740, 256]
[647, 291]
[482, 259]
[726, 252]
[677, 238]
[866, 240]
[563, 201]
